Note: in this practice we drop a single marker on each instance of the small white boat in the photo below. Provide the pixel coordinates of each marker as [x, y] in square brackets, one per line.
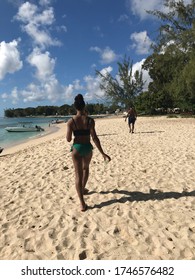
[24, 127]
[57, 121]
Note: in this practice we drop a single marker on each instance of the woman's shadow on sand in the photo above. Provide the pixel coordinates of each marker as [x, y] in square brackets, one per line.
[140, 196]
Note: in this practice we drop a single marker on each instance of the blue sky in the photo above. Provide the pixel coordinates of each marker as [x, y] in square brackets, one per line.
[50, 49]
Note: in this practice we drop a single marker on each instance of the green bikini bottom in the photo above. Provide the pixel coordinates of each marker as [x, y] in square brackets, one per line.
[82, 149]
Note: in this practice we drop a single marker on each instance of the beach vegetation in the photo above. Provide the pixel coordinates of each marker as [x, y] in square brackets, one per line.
[123, 88]
[172, 116]
[171, 66]
[64, 110]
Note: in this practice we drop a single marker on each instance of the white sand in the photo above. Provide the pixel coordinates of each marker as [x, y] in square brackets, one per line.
[142, 203]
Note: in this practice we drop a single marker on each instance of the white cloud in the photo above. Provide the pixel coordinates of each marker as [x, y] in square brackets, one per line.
[71, 90]
[49, 90]
[45, 18]
[96, 49]
[139, 7]
[93, 91]
[106, 70]
[107, 55]
[44, 2]
[4, 96]
[77, 85]
[40, 37]
[9, 58]
[53, 89]
[33, 92]
[36, 22]
[15, 96]
[142, 42]
[62, 28]
[29, 13]
[26, 12]
[123, 18]
[43, 62]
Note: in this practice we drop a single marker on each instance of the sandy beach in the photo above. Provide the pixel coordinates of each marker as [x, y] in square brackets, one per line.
[141, 204]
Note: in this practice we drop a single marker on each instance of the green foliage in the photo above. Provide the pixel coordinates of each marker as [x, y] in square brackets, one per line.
[178, 25]
[125, 87]
[144, 103]
[38, 111]
[95, 108]
[171, 66]
[64, 110]
[188, 75]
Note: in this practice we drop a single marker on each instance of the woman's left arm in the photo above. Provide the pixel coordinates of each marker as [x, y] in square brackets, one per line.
[69, 132]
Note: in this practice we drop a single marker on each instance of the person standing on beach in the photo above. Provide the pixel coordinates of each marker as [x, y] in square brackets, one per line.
[1, 150]
[82, 127]
[132, 116]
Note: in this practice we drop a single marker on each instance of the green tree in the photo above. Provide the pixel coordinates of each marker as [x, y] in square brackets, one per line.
[164, 69]
[64, 110]
[183, 87]
[178, 25]
[171, 66]
[125, 87]
[9, 113]
[145, 103]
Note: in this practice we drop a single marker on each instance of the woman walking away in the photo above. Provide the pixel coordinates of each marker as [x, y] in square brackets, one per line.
[82, 127]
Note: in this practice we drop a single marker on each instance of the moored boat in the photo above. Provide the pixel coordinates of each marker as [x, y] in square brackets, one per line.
[24, 127]
[57, 121]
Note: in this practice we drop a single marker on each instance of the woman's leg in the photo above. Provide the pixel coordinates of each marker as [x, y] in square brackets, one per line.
[129, 127]
[86, 161]
[77, 161]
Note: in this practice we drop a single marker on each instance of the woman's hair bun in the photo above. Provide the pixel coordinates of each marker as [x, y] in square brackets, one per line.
[79, 102]
[79, 97]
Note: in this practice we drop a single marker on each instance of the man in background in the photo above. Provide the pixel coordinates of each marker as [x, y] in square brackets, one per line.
[132, 116]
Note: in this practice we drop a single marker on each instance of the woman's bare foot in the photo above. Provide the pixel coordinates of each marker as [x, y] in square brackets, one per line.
[84, 208]
[85, 191]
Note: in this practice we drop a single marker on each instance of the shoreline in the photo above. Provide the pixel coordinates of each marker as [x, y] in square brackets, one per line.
[58, 130]
[51, 133]
[54, 129]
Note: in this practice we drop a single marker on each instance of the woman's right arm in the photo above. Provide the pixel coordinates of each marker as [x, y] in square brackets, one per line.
[97, 141]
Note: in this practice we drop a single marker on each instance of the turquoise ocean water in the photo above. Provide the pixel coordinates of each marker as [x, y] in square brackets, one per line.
[8, 139]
